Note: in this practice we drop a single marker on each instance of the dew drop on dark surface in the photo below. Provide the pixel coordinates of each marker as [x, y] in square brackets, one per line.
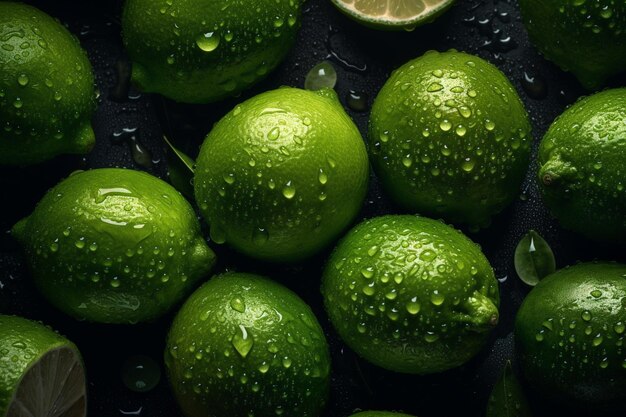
[357, 101]
[141, 155]
[140, 374]
[534, 85]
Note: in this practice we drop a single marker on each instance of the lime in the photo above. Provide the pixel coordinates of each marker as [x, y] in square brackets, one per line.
[410, 294]
[243, 345]
[581, 172]
[393, 14]
[379, 414]
[282, 175]
[47, 93]
[41, 373]
[585, 37]
[200, 51]
[449, 137]
[114, 246]
[570, 334]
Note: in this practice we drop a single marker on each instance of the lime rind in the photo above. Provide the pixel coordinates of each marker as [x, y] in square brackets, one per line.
[393, 14]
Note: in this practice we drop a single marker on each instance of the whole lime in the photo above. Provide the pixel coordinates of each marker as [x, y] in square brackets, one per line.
[41, 372]
[379, 414]
[243, 345]
[570, 335]
[450, 137]
[114, 246]
[282, 175]
[585, 37]
[200, 51]
[581, 166]
[410, 294]
[47, 92]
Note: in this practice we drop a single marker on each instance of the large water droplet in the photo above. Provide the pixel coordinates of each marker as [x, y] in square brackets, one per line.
[243, 341]
[320, 76]
[208, 41]
[140, 373]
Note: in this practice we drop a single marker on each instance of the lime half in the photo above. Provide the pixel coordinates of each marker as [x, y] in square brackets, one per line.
[41, 372]
[393, 14]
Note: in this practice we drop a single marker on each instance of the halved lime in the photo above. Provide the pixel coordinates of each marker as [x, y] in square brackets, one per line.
[393, 14]
[41, 372]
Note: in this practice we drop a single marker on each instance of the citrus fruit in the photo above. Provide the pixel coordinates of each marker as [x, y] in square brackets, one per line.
[587, 38]
[200, 51]
[410, 294]
[570, 333]
[393, 14]
[449, 137]
[243, 345]
[47, 93]
[379, 414]
[581, 166]
[41, 372]
[282, 175]
[114, 246]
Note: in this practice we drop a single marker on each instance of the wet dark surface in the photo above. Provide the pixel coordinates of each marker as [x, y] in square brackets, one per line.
[129, 127]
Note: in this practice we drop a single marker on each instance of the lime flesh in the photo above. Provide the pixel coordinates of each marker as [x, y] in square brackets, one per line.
[393, 14]
[53, 387]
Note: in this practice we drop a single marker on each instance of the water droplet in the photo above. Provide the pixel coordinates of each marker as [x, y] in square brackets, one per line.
[260, 235]
[238, 304]
[431, 337]
[445, 125]
[596, 293]
[242, 341]
[208, 41]
[287, 362]
[356, 101]
[322, 75]
[434, 87]
[534, 258]
[413, 306]
[322, 177]
[467, 165]
[141, 373]
[22, 80]
[535, 86]
[586, 315]
[217, 234]
[274, 133]
[436, 298]
[289, 191]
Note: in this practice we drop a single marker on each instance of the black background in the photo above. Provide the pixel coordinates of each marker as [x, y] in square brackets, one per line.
[364, 59]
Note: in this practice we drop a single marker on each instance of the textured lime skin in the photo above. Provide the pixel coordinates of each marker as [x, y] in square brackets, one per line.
[161, 39]
[114, 246]
[581, 166]
[379, 414]
[409, 24]
[282, 175]
[570, 335]
[587, 38]
[47, 92]
[449, 137]
[22, 344]
[410, 294]
[282, 367]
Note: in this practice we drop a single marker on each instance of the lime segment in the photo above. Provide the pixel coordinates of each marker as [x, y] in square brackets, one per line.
[53, 387]
[393, 14]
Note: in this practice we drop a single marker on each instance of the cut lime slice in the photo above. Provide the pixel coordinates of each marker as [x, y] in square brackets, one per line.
[53, 387]
[393, 14]
[41, 372]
